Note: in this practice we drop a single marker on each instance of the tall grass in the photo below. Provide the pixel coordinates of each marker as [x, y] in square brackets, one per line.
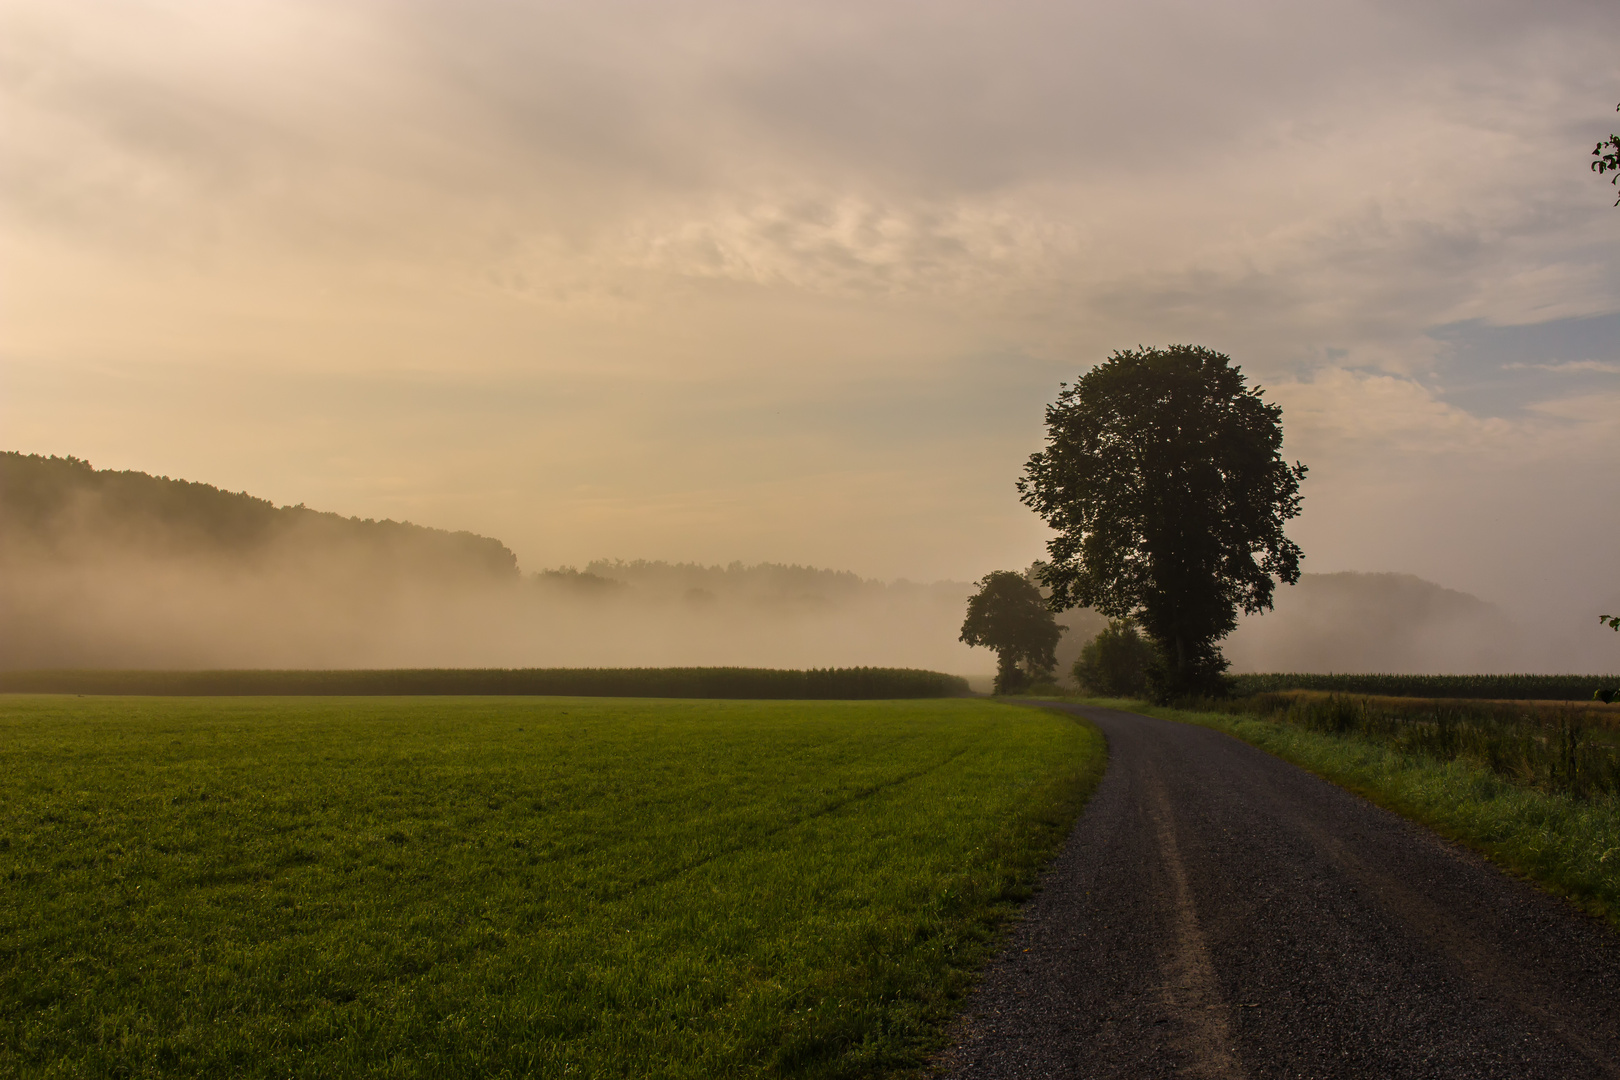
[716, 682]
[1571, 750]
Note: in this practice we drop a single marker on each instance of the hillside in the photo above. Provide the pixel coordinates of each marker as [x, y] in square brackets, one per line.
[101, 568]
[62, 509]
[1360, 622]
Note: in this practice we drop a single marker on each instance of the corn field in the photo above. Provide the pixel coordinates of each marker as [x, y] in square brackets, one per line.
[1499, 687]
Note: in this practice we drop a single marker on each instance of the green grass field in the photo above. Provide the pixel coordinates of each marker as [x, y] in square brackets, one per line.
[505, 886]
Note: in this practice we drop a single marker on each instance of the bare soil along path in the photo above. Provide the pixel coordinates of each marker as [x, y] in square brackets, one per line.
[1219, 912]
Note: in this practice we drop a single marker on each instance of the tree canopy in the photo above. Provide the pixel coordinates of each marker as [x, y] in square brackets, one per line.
[1164, 478]
[1009, 615]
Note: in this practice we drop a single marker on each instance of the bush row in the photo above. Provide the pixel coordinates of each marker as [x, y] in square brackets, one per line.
[715, 682]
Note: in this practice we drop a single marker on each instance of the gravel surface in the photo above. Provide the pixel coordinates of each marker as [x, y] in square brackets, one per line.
[1218, 912]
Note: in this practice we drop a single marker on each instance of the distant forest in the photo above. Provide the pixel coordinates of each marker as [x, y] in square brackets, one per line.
[776, 584]
[63, 508]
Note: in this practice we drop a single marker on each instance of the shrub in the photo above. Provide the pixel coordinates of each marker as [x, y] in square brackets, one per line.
[1116, 662]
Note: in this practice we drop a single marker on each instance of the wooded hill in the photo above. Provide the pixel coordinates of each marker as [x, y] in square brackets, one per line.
[61, 508]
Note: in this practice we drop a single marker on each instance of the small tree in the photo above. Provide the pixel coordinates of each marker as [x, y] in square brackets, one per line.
[1009, 616]
[1116, 662]
[1164, 478]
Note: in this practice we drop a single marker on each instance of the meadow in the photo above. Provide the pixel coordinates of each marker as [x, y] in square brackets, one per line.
[510, 886]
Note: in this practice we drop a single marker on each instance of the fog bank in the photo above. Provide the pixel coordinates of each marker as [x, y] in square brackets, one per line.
[1402, 624]
[121, 569]
[126, 612]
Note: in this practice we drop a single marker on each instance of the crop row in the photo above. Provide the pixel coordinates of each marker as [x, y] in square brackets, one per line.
[1500, 687]
[715, 682]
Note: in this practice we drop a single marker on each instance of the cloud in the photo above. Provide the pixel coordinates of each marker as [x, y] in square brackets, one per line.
[1607, 367]
[877, 147]
[733, 280]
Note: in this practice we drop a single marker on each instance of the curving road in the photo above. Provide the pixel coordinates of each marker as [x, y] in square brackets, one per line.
[1218, 912]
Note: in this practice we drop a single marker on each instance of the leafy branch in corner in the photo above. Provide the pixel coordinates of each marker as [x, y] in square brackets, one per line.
[1611, 621]
[1609, 163]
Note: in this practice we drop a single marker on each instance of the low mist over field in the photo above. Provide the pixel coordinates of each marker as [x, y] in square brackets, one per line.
[1351, 622]
[104, 569]
[158, 613]
[122, 569]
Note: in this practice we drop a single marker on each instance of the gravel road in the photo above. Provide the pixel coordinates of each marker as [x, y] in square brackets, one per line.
[1218, 912]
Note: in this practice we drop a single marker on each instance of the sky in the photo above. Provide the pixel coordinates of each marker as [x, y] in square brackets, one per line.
[760, 281]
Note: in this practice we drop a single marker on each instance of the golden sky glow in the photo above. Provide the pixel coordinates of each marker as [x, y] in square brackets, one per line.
[716, 281]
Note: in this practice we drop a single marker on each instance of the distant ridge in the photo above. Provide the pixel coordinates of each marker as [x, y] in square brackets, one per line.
[62, 508]
[1375, 622]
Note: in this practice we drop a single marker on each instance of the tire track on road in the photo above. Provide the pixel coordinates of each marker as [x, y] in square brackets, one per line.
[1190, 990]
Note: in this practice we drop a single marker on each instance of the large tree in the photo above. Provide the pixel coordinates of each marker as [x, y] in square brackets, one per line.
[1164, 478]
[1009, 615]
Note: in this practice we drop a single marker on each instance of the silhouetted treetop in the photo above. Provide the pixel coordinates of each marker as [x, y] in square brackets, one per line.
[1164, 479]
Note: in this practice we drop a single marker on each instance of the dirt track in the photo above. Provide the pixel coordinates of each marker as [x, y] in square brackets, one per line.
[1220, 913]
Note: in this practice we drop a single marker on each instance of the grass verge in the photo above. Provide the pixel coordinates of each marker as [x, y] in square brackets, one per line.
[557, 887]
[1568, 845]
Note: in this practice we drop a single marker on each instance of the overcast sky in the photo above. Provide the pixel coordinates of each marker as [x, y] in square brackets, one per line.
[792, 282]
